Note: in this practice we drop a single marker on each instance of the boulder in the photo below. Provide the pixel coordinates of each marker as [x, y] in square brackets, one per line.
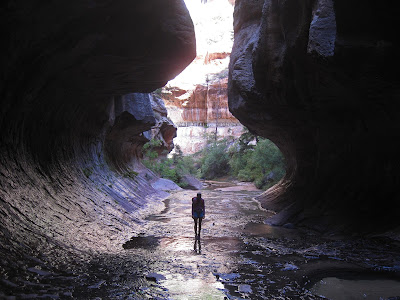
[165, 185]
[192, 183]
[164, 129]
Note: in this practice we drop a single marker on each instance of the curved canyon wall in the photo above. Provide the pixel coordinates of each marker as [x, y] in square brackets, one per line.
[319, 78]
[71, 129]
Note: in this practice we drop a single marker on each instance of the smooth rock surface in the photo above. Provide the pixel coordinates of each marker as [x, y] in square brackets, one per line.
[165, 185]
[192, 182]
[319, 79]
[71, 185]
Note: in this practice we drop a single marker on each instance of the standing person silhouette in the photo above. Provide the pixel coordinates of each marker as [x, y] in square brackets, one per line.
[198, 213]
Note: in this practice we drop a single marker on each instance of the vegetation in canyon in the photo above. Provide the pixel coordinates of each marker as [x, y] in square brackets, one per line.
[249, 158]
[173, 168]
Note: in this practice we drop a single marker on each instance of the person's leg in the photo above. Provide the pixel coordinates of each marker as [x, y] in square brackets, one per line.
[200, 219]
[195, 226]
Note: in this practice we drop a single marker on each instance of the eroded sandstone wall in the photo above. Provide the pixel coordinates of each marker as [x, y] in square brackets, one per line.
[197, 99]
[205, 104]
[71, 127]
[200, 113]
[319, 78]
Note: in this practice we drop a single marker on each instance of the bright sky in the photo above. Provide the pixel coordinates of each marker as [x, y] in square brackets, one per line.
[213, 24]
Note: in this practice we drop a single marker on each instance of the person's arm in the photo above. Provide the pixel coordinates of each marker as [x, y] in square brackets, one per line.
[204, 208]
[192, 207]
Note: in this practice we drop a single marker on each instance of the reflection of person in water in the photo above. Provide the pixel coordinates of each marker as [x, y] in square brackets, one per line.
[197, 246]
[198, 213]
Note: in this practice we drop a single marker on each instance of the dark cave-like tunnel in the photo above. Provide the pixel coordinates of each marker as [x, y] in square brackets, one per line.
[319, 78]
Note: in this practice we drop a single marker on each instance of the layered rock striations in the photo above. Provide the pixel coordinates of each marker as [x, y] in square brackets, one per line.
[197, 100]
[71, 129]
[200, 113]
[205, 104]
[319, 78]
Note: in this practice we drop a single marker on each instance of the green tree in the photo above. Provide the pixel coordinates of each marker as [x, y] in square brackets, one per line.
[215, 161]
[149, 149]
[262, 163]
[174, 168]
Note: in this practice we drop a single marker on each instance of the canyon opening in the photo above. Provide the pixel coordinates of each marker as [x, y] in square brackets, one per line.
[283, 114]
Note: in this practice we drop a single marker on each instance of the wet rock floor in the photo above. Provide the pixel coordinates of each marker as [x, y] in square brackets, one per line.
[237, 257]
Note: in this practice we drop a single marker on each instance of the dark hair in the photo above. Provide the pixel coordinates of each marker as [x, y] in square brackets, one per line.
[199, 195]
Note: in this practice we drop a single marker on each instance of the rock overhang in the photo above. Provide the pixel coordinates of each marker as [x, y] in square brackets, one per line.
[320, 88]
[66, 68]
[76, 57]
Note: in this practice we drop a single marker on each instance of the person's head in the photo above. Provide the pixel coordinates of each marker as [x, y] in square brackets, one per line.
[199, 195]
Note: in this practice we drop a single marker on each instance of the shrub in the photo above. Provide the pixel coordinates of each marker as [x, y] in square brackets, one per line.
[262, 163]
[131, 174]
[170, 168]
[87, 172]
[239, 161]
[215, 161]
[246, 175]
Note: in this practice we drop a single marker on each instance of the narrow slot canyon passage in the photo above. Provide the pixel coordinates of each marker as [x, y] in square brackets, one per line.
[85, 86]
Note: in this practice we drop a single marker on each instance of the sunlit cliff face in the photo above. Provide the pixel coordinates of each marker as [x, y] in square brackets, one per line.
[197, 98]
[213, 23]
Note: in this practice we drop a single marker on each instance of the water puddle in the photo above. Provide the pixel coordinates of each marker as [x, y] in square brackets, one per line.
[201, 287]
[146, 242]
[346, 289]
[259, 229]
